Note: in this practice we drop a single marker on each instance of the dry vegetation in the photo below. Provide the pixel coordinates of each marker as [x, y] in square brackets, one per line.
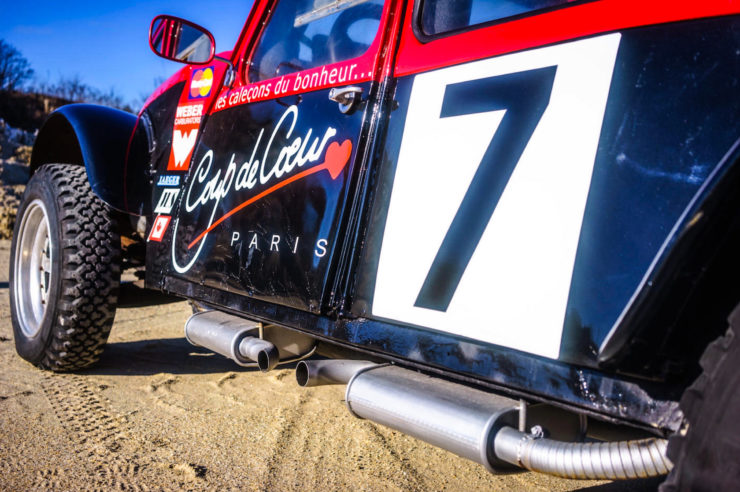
[15, 156]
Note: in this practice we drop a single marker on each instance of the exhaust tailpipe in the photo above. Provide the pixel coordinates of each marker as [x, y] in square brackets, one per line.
[322, 372]
[476, 425]
[244, 341]
[263, 352]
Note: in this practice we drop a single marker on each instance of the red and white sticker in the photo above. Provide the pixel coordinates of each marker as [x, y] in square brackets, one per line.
[184, 136]
[201, 83]
[159, 227]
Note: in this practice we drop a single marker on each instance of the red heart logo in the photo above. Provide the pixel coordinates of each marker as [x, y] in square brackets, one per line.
[337, 157]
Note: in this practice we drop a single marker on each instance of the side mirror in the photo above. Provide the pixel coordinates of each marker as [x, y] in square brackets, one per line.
[180, 40]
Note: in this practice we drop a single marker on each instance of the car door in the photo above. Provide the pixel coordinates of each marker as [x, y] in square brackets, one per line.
[263, 203]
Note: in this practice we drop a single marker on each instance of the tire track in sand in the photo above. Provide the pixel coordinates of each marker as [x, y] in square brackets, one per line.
[288, 419]
[413, 480]
[98, 432]
[317, 438]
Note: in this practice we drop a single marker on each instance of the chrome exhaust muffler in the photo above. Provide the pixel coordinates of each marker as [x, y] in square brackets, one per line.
[448, 415]
[476, 425]
[247, 343]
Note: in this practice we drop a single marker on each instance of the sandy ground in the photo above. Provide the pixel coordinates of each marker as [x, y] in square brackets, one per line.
[158, 414]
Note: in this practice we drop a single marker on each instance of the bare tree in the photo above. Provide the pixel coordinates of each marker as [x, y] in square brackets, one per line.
[70, 88]
[73, 89]
[109, 98]
[15, 70]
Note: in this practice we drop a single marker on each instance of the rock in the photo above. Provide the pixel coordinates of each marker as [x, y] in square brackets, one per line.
[22, 154]
[13, 179]
[9, 201]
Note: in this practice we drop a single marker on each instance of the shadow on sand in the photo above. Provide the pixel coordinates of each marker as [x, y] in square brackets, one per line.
[640, 485]
[131, 295]
[170, 355]
[154, 356]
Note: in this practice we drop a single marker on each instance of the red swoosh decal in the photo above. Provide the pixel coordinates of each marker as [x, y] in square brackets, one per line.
[336, 158]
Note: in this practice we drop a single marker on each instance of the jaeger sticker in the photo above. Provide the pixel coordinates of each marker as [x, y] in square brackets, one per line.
[168, 180]
[201, 83]
[167, 201]
[184, 135]
[159, 228]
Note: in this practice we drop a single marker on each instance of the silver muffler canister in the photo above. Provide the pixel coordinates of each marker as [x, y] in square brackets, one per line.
[457, 418]
[222, 333]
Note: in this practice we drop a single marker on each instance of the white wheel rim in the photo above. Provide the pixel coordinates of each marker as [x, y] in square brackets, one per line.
[33, 268]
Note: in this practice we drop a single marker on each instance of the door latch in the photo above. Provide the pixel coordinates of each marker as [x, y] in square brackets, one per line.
[347, 97]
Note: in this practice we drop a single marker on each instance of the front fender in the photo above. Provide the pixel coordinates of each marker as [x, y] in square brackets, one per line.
[113, 146]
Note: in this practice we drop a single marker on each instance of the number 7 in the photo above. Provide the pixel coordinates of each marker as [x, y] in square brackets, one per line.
[524, 96]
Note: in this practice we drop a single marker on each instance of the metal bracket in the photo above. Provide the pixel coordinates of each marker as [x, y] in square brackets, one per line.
[229, 76]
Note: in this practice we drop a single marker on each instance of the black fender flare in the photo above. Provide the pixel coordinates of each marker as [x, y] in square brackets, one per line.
[684, 289]
[113, 145]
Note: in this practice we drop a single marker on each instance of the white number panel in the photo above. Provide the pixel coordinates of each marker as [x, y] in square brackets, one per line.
[489, 194]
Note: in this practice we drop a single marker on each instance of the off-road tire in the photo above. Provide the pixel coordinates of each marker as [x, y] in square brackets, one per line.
[706, 451]
[84, 271]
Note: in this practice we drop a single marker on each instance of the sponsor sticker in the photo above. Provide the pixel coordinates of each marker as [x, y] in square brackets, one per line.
[188, 114]
[183, 143]
[167, 201]
[318, 152]
[168, 180]
[184, 136]
[201, 83]
[159, 228]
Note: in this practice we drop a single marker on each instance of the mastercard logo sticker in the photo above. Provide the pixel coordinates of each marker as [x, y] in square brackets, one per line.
[201, 83]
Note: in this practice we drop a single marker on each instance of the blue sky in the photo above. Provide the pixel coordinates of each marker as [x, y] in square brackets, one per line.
[105, 43]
